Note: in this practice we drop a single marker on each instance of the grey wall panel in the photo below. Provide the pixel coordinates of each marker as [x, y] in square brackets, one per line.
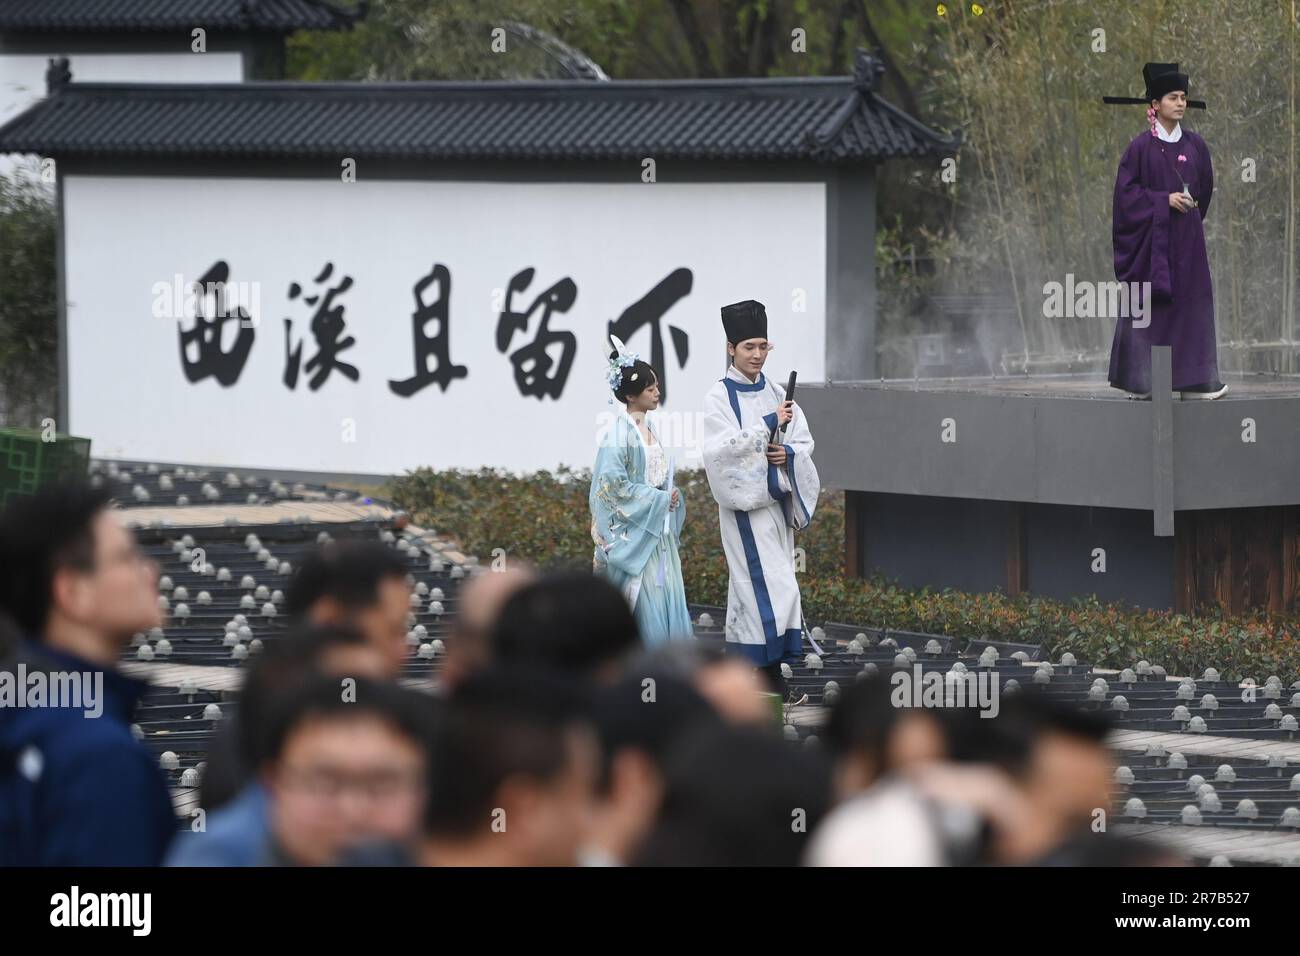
[922, 541]
[1060, 541]
[892, 440]
[1050, 449]
[1214, 468]
[936, 542]
[1008, 448]
[1093, 453]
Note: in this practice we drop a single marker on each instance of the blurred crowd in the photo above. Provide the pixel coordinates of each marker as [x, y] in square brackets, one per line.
[552, 737]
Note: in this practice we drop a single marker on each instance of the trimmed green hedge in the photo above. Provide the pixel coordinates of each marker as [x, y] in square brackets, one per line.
[543, 517]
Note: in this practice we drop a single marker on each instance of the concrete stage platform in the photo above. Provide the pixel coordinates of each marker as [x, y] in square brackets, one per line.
[1240, 387]
[1063, 486]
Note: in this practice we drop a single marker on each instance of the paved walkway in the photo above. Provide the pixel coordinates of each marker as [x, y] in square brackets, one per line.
[1234, 748]
[203, 516]
[1206, 842]
[161, 674]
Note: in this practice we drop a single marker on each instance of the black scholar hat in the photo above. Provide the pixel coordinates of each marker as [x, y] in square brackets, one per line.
[744, 320]
[1160, 79]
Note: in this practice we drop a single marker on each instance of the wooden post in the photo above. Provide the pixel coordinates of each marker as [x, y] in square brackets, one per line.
[1288, 559]
[1017, 559]
[1185, 562]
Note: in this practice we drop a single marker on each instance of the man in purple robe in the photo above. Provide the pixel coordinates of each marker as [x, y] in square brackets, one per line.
[1162, 193]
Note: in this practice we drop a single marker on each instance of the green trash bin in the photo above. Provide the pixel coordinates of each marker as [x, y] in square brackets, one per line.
[27, 462]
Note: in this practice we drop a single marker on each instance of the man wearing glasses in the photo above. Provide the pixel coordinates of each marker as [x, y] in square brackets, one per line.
[346, 774]
[765, 489]
[76, 788]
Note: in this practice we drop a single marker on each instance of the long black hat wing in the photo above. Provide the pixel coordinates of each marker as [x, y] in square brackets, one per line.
[1138, 101]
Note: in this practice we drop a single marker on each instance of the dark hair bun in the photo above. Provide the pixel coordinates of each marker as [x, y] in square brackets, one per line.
[636, 378]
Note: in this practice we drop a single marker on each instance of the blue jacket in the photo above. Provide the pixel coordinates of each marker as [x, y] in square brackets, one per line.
[236, 835]
[78, 790]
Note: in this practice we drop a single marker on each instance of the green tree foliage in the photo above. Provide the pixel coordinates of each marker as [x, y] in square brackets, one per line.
[629, 39]
[28, 303]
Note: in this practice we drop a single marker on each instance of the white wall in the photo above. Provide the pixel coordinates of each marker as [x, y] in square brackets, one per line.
[22, 77]
[127, 390]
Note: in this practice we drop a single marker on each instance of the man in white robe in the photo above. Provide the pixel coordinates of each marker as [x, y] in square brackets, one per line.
[764, 492]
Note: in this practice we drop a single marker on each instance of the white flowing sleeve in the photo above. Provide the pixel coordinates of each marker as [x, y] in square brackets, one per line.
[735, 457]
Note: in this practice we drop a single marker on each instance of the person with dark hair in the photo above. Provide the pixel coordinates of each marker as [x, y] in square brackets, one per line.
[1163, 188]
[239, 748]
[512, 772]
[870, 738]
[567, 621]
[737, 796]
[1055, 758]
[1020, 787]
[636, 512]
[349, 601]
[883, 818]
[359, 584]
[346, 768]
[76, 788]
[345, 594]
[639, 720]
[757, 450]
[231, 794]
[9, 636]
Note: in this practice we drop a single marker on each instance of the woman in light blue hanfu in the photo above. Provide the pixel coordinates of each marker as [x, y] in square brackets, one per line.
[636, 512]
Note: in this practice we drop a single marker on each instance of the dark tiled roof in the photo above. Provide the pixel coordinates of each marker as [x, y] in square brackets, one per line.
[824, 119]
[143, 16]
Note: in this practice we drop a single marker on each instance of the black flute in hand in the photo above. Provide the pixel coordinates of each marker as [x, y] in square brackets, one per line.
[779, 431]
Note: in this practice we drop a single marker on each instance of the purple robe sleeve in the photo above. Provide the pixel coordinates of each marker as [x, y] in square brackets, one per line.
[1208, 180]
[1140, 232]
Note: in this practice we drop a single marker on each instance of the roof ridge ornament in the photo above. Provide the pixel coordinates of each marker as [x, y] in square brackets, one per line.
[57, 75]
[868, 70]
